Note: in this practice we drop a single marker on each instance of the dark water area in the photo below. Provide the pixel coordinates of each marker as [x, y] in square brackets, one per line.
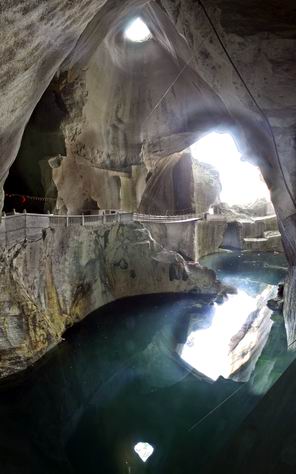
[119, 379]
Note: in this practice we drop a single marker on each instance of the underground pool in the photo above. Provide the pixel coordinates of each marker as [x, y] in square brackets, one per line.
[153, 384]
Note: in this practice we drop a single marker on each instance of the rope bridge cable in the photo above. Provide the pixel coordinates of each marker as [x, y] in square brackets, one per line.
[169, 88]
[201, 420]
[33, 198]
[168, 212]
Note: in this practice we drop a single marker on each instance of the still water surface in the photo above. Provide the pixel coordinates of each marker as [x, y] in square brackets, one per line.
[122, 395]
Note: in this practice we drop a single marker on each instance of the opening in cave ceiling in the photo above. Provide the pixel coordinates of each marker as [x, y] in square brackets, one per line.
[137, 31]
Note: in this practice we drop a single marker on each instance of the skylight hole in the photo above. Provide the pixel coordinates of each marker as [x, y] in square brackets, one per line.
[137, 31]
[144, 450]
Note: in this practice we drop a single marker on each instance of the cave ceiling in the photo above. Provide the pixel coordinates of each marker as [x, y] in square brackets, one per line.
[251, 17]
[41, 41]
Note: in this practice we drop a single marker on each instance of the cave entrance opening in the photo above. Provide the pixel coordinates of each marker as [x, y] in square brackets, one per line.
[242, 182]
[247, 245]
[244, 199]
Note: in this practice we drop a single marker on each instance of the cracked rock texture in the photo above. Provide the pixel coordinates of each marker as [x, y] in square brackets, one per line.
[45, 289]
[74, 41]
[79, 39]
[180, 184]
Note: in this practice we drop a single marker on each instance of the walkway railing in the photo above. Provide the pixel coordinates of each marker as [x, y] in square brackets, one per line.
[166, 219]
[18, 227]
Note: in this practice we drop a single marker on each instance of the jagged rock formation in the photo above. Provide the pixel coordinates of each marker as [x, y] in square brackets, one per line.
[196, 238]
[72, 40]
[257, 234]
[246, 346]
[264, 50]
[180, 237]
[209, 71]
[180, 185]
[169, 189]
[49, 284]
[207, 186]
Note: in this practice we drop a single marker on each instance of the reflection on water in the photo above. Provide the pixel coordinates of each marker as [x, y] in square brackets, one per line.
[117, 381]
[207, 350]
[144, 450]
[250, 272]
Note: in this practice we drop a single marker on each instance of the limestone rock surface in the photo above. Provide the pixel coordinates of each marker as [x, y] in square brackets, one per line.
[40, 40]
[180, 185]
[247, 345]
[49, 284]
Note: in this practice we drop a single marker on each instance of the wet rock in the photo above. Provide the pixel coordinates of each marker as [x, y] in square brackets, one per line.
[247, 345]
[50, 284]
[281, 288]
[276, 304]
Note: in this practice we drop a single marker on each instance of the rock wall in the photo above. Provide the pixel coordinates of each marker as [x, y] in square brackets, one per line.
[247, 346]
[179, 237]
[259, 234]
[41, 39]
[170, 188]
[207, 186]
[209, 237]
[107, 116]
[178, 184]
[196, 239]
[48, 285]
[290, 302]
[268, 47]
[260, 37]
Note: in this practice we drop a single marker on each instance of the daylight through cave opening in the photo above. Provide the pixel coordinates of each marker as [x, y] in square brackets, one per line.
[137, 31]
[242, 182]
[166, 252]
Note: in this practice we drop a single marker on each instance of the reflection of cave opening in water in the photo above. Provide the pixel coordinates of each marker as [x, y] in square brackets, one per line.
[242, 182]
[143, 450]
[207, 350]
[210, 350]
[235, 339]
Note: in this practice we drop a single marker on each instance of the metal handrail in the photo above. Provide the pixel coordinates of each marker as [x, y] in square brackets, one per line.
[11, 232]
[101, 217]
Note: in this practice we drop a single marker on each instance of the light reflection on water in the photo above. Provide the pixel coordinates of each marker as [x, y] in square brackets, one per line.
[143, 450]
[116, 384]
[240, 327]
[207, 350]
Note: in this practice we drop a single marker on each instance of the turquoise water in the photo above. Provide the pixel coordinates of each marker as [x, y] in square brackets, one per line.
[118, 379]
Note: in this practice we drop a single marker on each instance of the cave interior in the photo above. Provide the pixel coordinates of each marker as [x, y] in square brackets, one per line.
[148, 174]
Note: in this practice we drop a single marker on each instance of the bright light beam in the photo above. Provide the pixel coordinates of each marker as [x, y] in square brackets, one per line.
[137, 31]
[242, 182]
[208, 350]
[143, 450]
